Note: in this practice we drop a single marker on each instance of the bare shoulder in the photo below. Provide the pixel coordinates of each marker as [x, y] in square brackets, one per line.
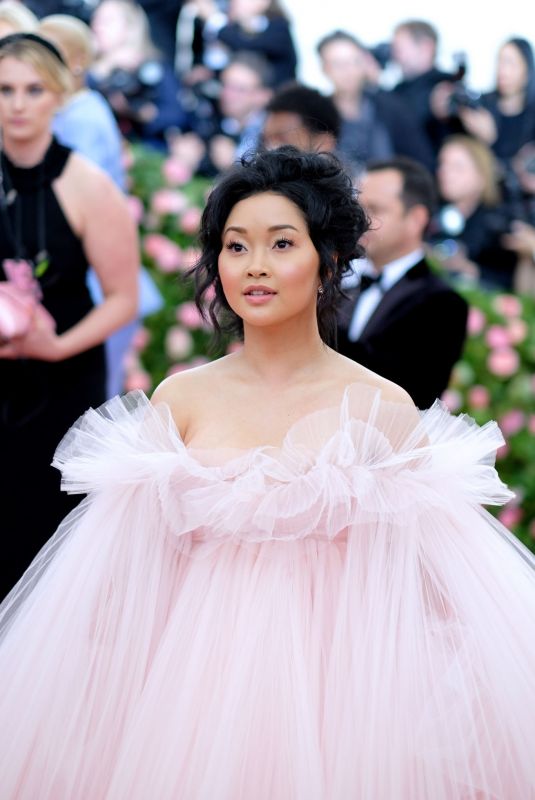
[352, 372]
[89, 179]
[188, 393]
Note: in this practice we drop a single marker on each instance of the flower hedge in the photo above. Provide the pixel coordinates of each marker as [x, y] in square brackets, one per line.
[494, 380]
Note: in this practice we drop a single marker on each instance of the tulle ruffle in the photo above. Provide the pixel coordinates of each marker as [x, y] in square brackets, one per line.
[364, 460]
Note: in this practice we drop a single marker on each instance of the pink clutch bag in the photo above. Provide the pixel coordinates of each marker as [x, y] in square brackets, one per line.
[20, 308]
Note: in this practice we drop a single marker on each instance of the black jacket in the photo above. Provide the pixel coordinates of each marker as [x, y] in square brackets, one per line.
[414, 336]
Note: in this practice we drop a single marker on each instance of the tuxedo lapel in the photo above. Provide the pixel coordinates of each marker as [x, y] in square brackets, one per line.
[400, 293]
[347, 307]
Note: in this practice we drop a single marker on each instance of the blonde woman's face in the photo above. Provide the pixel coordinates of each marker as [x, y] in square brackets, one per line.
[27, 104]
[109, 26]
[458, 175]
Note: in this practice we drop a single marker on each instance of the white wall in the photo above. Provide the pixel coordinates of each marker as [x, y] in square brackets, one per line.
[469, 25]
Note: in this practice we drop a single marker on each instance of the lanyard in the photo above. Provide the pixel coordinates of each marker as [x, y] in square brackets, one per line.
[9, 197]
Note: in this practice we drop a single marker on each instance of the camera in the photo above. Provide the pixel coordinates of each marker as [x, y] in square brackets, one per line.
[139, 87]
[462, 96]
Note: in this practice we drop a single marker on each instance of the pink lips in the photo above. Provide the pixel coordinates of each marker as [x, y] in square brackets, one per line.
[258, 295]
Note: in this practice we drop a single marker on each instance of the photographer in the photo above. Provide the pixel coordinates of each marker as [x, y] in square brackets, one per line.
[504, 119]
[129, 71]
[466, 234]
[414, 50]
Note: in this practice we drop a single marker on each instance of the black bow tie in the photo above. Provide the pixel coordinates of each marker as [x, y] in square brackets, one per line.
[369, 280]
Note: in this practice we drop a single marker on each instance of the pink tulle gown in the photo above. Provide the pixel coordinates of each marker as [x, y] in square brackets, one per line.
[336, 618]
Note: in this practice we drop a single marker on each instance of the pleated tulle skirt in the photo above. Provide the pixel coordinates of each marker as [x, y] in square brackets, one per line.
[388, 664]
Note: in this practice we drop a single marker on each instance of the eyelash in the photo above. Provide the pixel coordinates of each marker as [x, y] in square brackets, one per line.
[283, 240]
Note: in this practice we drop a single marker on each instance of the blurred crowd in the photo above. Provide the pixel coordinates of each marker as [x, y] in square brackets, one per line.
[208, 80]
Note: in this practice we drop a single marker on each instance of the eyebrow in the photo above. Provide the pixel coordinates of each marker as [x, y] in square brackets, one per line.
[271, 228]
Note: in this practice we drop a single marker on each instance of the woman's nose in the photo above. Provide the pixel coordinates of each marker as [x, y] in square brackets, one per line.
[257, 265]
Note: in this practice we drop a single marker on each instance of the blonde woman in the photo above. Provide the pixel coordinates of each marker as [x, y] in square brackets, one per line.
[58, 213]
[129, 71]
[87, 125]
[471, 221]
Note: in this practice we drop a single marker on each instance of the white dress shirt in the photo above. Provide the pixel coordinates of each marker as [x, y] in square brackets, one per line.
[370, 299]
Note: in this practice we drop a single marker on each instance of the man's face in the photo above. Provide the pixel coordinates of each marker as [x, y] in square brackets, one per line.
[241, 92]
[414, 56]
[391, 231]
[285, 127]
[344, 65]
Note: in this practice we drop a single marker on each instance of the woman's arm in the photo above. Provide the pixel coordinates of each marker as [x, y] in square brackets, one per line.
[98, 214]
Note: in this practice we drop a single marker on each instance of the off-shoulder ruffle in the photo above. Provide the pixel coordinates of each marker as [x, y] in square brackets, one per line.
[366, 459]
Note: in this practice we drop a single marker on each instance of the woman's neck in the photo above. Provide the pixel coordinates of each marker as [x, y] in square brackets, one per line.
[279, 356]
[467, 205]
[27, 153]
[512, 104]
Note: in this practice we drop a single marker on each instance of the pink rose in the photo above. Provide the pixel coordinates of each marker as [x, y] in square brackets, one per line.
[138, 379]
[176, 368]
[510, 516]
[234, 347]
[190, 220]
[167, 254]
[476, 321]
[136, 208]
[189, 315]
[502, 452]
[503, 362]
[479, 396]
[209, 294]
[140, 339]
[198, 361]
[168, 201]
[176, 172]
[512, 421]
[508, 305]
[497, 336]
[178, 343]
[518, 330]
[19, 272]
[452, 400]
[191, 257]
[127, 159]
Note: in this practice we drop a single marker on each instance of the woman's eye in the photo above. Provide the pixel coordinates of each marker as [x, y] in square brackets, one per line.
[36, 90]
[283, 244]
[234, 247]
[6, 90]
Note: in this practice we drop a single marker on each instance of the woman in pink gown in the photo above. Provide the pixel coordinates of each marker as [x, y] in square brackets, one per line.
[282, 584]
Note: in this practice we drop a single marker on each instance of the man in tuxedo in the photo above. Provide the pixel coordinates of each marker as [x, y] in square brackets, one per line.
[402, 320]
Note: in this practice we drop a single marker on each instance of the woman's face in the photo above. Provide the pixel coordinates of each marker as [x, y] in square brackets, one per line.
[27, 104]
[243, 9]
[458, 175]
[268, 265]
[512, 72]
[109, 26]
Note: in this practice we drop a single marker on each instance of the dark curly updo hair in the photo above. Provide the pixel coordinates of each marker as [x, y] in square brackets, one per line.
[319, 186]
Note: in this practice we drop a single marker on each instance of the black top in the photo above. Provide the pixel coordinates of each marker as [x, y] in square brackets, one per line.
[63, 285]
[513, 131]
